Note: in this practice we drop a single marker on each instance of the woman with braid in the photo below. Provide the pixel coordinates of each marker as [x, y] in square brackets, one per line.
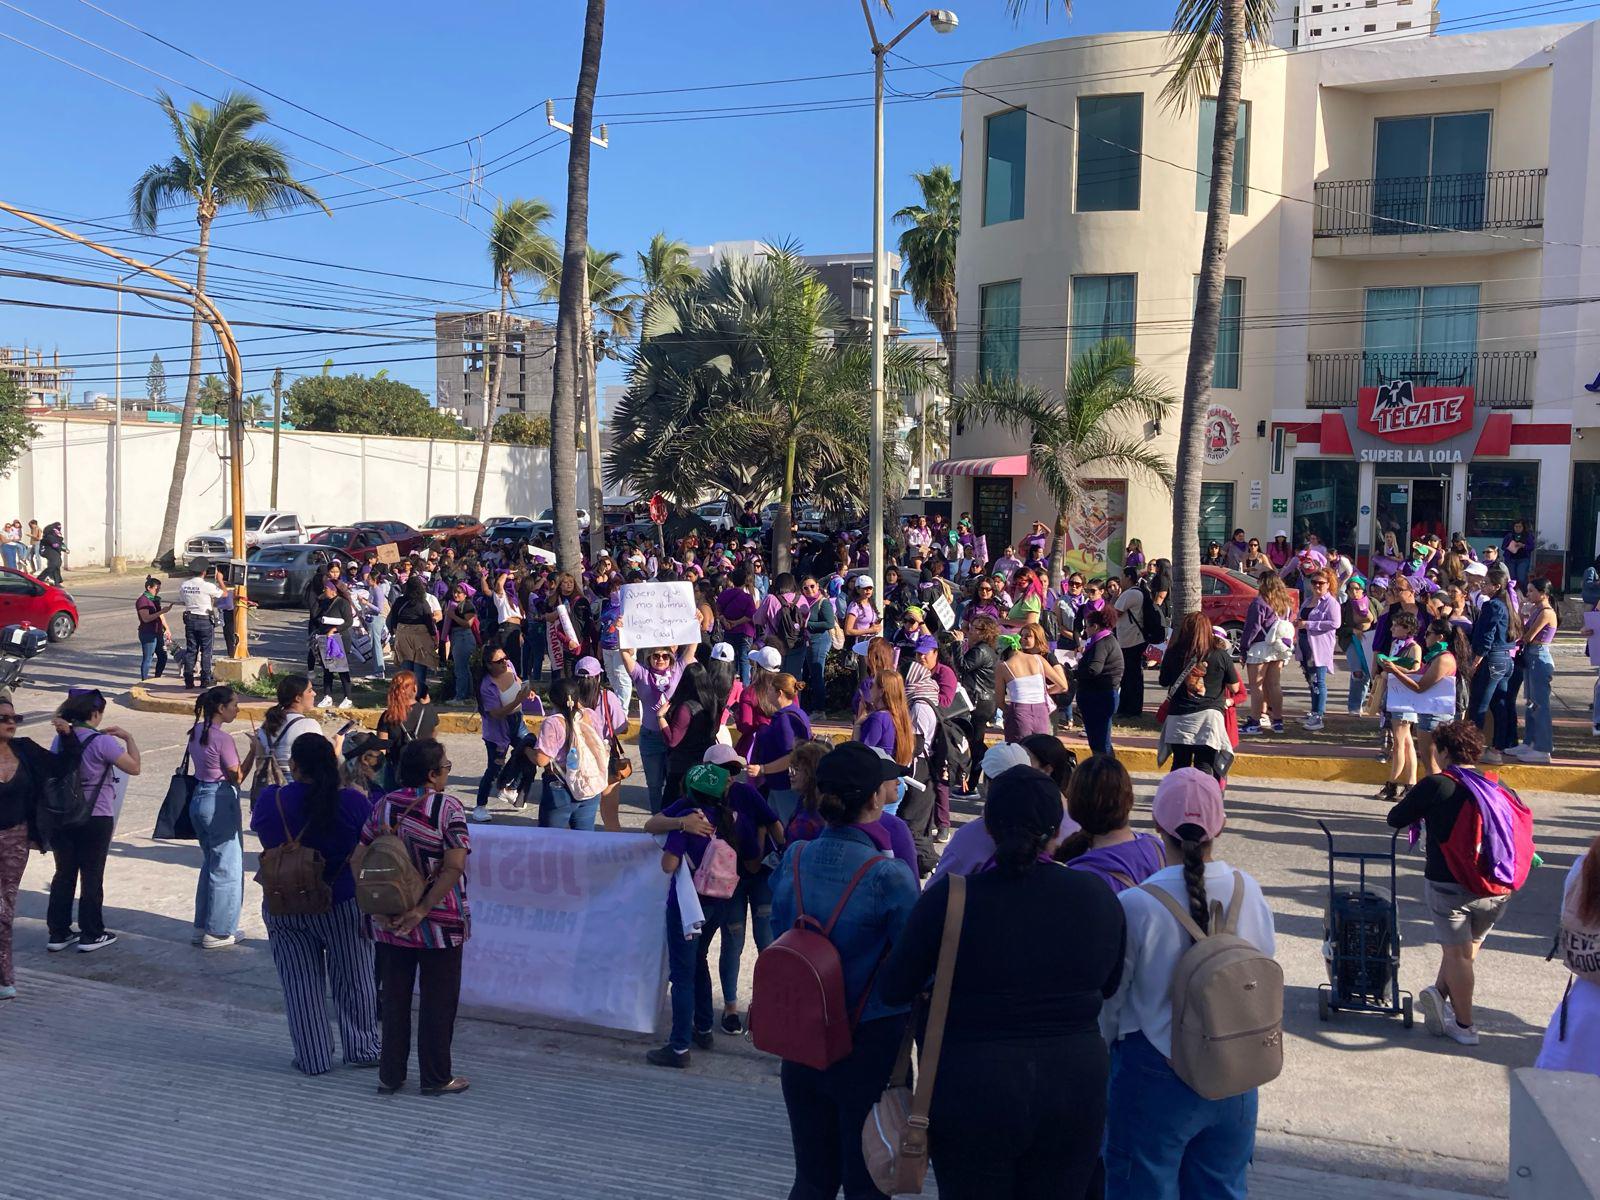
[1158, 1129]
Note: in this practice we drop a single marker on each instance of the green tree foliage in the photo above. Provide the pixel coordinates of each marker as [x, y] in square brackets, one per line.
[155, 383]
[359, 404]
[518, 429]
[16, 431]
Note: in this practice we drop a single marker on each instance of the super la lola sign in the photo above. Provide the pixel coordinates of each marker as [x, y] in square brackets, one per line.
[1402, 422]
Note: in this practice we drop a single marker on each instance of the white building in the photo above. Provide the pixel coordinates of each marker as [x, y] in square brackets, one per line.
[459, 348]
[1414, 211]
[1317, 23]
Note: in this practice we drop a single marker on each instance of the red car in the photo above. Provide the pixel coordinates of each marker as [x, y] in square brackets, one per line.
[24, 599]
[402, 535]
[352, 542]
[1225, 597]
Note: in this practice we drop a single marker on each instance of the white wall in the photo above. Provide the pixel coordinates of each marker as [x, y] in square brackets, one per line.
[326, 478]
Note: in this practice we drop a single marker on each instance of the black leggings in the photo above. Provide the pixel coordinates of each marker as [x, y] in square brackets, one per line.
[1202, 758]
[1020, 1119]
[344, 683]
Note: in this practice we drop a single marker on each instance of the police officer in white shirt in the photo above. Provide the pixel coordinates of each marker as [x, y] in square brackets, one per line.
[200, 598]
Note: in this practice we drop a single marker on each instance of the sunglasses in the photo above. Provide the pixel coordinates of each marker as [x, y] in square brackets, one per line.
[495, 662]
[10, 719]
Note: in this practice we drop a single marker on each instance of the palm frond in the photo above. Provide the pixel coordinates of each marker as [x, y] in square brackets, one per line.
[1196, 42]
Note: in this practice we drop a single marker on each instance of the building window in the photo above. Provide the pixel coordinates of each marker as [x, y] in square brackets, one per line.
[1102, 308]
[1369, 29]
[1316, 33]
[1216, 513]
[1005, 172]
[1403, 24]
[999, 316]
[1230, 333]
[1241, 156]
[1325, 502]
[1110, 139]
[1316, 8]
[1498, 494]
[1430, 170]
[1428, 335]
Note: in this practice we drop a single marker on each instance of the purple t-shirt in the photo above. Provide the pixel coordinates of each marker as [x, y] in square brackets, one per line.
[891, 834]
[788, 727]
[1137, 860]
[210, 758]
[877, 730]
[737, 607]
[651, 688]
[751, 816]
[100, 752]
[334, 844]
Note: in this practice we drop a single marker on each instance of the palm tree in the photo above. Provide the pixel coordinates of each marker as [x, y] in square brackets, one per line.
[519, 249]
[928, 251]
[219, 165]
[1212, 38]
[573, 298]
[929, 433]
[664, 266]
[608, 298]
[1074, 438]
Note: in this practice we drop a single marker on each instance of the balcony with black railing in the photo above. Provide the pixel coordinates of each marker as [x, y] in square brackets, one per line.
[1471, 202]
[1499, 378]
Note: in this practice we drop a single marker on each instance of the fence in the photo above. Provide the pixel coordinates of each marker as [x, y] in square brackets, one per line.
[1431, 203]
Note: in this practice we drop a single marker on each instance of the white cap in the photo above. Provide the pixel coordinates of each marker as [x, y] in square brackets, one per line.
[863, 581]
[1476, 568]
[722, 652]
[766, 656]
[997, 760]
[1283, 533]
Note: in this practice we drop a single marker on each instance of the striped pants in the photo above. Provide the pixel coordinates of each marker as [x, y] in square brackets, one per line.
[310, 952]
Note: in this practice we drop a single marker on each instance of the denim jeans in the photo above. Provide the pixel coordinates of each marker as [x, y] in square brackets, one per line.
[827, 1108]
[219, 893]
[152, 655]
[1317, 677]
[1489, 681]
[558, 810]
[199, 636]
[1505, 707]
[653, 754]
[617, 674]
[1097, 708]
[13, 554]
[462, 644]
[689, 972]
[1356, 699]
[816, 667]
[421, 672]
[753, 893]
[1540, 672]
[1164, 1141]
[741, 654]
[535, 645]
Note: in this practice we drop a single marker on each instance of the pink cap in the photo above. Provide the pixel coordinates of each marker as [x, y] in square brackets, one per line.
[1189, 797]
[721, 756]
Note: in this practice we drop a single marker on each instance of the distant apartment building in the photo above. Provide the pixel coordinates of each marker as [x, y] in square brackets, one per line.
[847, 276]
[462, 340]
[45, 384]
[1319, 22]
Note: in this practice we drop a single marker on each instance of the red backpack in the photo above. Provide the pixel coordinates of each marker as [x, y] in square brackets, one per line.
[797, 1000]
[1463, 850]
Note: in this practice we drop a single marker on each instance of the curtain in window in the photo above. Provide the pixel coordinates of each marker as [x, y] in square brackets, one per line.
[1390, 334]
[1450, 332]
[1000, 315]
[1102, 308]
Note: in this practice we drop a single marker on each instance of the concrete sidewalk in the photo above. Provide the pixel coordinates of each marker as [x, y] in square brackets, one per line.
[192, 1099]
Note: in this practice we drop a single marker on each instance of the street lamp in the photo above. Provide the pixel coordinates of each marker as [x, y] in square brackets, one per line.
[119, 561]
[943, 21]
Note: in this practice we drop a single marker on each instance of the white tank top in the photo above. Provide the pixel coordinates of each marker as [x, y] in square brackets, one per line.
[1026, 689]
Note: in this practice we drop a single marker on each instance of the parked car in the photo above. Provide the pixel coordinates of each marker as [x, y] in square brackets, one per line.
[510, 529]
[30, 601]
[280, 574]
[545, 522]
[459, 529]
[402, 535]
[351, 541]
[1225, 597]
[272, 527]
[719, 514]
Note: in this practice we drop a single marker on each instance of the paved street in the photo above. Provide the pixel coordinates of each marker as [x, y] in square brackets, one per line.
[162, 1046]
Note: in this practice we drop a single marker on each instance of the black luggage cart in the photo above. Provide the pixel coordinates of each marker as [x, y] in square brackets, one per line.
[1361, 939]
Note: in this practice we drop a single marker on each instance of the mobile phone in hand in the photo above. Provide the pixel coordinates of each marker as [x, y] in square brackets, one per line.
[345, 728]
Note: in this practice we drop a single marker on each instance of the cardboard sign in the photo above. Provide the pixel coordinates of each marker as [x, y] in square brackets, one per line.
[389, 552]
[658, 614]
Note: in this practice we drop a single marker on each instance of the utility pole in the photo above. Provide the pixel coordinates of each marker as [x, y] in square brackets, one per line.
[277, 428]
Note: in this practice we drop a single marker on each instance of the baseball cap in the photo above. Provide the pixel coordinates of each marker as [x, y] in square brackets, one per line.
[997, 760]
[722, 652]
[1283, 533]
[926, 643]
[587, 665]
[1189, 797]
[707, 780]
[1026, 798]
[853, 770]
[722, 756]
[358, 743]
[863, 581]
[766, 656]
[1476, 568]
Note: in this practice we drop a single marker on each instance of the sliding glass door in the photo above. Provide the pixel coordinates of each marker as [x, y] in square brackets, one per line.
[1430, 172]
[1427, 335]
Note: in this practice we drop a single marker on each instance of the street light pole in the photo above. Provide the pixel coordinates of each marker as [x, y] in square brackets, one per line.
[943, 21]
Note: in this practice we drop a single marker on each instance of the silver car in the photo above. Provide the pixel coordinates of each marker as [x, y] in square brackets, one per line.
[280, 574]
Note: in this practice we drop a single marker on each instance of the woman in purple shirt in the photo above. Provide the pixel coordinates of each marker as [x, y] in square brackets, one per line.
[737, 608]
[1319, 623]
[218, 824]
[654, 678]
[332, 945]
[775, 742]
[1100, 800]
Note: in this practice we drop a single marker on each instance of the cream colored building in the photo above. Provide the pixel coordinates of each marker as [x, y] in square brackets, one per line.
[1416, 232]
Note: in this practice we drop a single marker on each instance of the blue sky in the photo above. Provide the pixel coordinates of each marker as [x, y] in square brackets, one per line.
[420, 77]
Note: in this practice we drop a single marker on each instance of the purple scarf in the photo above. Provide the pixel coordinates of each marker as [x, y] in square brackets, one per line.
[1494, 811]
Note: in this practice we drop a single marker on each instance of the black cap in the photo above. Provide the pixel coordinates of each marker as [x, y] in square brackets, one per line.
[1023, 798]
[852, 769]
[359, 742]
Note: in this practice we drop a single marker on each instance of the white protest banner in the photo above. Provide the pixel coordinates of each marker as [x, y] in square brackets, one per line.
[658, 614]
[567, 925]
[946, 614]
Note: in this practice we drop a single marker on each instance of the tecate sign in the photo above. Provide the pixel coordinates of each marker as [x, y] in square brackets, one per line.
[1404, 413]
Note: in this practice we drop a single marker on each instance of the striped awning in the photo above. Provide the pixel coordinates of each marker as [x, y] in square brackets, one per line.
[1007, 464]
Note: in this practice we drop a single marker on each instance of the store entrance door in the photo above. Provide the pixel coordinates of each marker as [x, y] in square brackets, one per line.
[1410, 509]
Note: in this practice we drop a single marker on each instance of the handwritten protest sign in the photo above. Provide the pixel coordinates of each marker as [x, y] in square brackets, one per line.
[946, 614]
[658, 614]
[389, 552]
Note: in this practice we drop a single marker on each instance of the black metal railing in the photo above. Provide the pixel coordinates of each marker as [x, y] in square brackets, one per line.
[1474, 200]
[1499, 378]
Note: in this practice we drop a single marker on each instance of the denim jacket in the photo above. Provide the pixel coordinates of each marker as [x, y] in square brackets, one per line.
[1489, 631]
[870, 922]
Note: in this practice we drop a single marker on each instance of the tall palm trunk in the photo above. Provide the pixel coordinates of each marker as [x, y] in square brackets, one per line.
[165, 555]
[1190, 463]
[493, 389]
[1058, 552]
[782, 524]
[574, 299]
[591, 416]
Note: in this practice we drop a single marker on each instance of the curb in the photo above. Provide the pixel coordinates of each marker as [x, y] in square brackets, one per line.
[1306, 768]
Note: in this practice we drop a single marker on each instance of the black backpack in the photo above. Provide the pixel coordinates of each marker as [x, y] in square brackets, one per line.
[788, 627]
[66, 803]
[1155, 629]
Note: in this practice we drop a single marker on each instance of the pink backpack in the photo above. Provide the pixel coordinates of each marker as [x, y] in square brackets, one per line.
[718, 873]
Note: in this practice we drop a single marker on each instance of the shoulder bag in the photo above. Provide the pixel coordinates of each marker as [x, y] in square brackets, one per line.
[172, 822]
[620, 768]
[894, 1137]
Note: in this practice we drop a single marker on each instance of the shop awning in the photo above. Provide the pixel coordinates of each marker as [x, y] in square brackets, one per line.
[1007, 464]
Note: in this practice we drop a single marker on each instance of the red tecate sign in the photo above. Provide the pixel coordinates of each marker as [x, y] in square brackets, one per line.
[1403, 412]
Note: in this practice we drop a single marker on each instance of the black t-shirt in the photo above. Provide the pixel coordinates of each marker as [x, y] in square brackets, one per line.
[1435, 802]
[1220, 674]
[1038, 954]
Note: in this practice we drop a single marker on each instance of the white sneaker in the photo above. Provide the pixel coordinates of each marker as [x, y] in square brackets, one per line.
[1491, 756]
[1435, 1010]
[1597, 729]
[507, 796]
[480, 814]
[347, 703]
[208, 942]
[325, 702]
[1467, 1035]
[1311, 724]
[1530, 755]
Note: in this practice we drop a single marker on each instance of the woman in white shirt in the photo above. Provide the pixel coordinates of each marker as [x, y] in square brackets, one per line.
[1158, 1129]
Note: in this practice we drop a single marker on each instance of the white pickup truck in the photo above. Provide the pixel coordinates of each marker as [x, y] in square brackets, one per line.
[271, 527]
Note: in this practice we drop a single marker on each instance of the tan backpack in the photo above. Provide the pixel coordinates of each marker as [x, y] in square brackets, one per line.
[387, 881]
[291, 875]
[1577, 940]
[1227, 1004]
